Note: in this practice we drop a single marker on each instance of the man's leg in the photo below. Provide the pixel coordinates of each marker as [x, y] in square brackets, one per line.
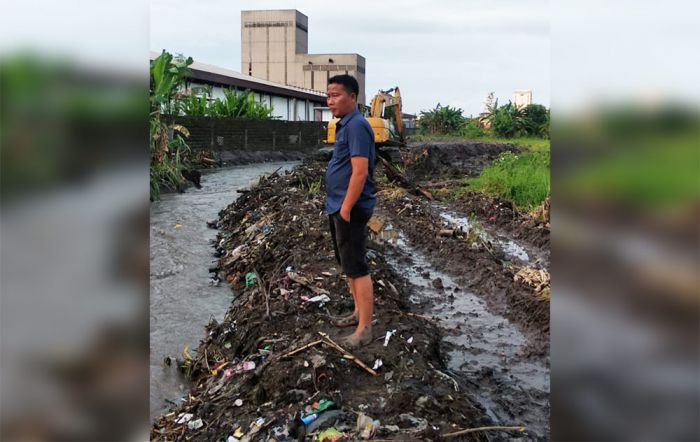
[364, 297]
[352, 319]
[349, 320]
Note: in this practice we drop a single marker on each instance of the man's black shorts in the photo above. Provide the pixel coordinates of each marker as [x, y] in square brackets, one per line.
[349, 241]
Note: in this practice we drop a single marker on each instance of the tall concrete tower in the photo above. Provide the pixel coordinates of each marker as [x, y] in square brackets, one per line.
[270, 41]
[275, 47]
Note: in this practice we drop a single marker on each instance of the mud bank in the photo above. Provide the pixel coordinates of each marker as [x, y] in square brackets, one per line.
[463, 349]
[426, 160]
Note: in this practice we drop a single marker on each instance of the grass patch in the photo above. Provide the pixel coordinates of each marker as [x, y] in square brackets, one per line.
[530, 144]
[523, 178]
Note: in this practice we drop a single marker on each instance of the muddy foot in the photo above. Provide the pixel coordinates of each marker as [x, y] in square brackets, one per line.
[356, 340]
[345, 321]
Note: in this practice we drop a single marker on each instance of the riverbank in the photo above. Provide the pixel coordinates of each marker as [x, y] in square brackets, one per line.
[463, 350]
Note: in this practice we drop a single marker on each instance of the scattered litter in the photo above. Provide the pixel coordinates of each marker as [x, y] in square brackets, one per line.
[238, 402]
[388, 336]
[328, 417]
[308, 283]
[177, 226]
[375, 224]
[238, 433]
[366, 426]
[318, 360]
[320, 298]
[244, 366]
[233, 439]
[536, 278]
[184, 418]
[392, 428]
[418, 423]
[250, 279]
[194, 425]
[330, 435]
[218, 367]
[410, 340]
[227, 345]
[378, 363]
[280, 433]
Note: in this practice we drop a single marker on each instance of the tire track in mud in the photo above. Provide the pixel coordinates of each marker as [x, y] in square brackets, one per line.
[484, 349]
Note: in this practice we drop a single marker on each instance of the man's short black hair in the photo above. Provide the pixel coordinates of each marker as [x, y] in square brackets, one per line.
[348, 82]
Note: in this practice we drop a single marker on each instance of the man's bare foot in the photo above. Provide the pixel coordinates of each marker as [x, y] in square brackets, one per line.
[346, 321]
[356, 339]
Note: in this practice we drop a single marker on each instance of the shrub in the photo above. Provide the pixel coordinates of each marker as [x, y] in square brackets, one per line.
[507, 121]
[521, 177]
[441, 120]
[472, 129]
[535, 121]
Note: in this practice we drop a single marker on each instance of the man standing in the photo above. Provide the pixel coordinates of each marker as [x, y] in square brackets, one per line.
[350, 201]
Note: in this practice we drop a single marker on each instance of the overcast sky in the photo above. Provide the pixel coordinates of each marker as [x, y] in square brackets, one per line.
[448, 51]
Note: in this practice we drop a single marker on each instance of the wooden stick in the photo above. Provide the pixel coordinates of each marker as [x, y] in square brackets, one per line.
[299, 279]
[300, 349]
[473, 430]
[415, 315]
[350, 356]
[264, 290]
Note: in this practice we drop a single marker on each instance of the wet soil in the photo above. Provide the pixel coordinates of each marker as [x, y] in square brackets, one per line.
[450, 159]
[470, 346]
[181, 299]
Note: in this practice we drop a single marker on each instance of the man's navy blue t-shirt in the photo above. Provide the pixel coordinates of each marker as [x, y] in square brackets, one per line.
[353, 137]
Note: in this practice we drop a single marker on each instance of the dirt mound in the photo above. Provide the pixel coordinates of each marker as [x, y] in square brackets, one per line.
[503, 214]
[484, 269]
[449, 159]
[277, 256]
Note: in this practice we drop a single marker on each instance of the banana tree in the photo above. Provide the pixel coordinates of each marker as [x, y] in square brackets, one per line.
[167, 147]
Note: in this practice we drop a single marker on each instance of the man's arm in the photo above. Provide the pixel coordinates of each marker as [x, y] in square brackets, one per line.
[360, 170]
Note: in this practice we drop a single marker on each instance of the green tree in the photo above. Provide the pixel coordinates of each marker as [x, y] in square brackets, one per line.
[168, 149]
[535, 120]
[441, 120]
[507, 121]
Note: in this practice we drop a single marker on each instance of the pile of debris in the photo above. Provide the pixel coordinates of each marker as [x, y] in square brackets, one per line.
[272, 369]
[426, 160]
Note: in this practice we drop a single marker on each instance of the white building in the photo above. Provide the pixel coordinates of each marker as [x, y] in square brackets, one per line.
[287, 102]
[522, 98]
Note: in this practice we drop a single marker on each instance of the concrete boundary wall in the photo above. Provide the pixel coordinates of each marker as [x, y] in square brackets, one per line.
[230, 134]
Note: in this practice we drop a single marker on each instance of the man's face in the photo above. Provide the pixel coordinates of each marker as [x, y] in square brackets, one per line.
[340, 101]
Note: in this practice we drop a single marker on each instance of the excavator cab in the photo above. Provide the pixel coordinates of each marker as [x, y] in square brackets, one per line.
[384, 117]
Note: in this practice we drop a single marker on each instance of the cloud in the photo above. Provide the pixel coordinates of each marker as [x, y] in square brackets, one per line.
[447, 51]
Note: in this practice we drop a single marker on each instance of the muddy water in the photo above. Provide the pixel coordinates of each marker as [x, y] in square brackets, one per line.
[512, 249]
[479, 342]
[182, 301]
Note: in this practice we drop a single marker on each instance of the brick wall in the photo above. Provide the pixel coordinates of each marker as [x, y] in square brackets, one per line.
[228, 134]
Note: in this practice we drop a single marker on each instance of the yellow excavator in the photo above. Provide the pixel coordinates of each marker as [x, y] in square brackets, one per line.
[387, 123]
[384, 116]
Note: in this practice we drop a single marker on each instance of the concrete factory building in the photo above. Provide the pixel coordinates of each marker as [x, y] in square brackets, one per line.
[274, 47]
